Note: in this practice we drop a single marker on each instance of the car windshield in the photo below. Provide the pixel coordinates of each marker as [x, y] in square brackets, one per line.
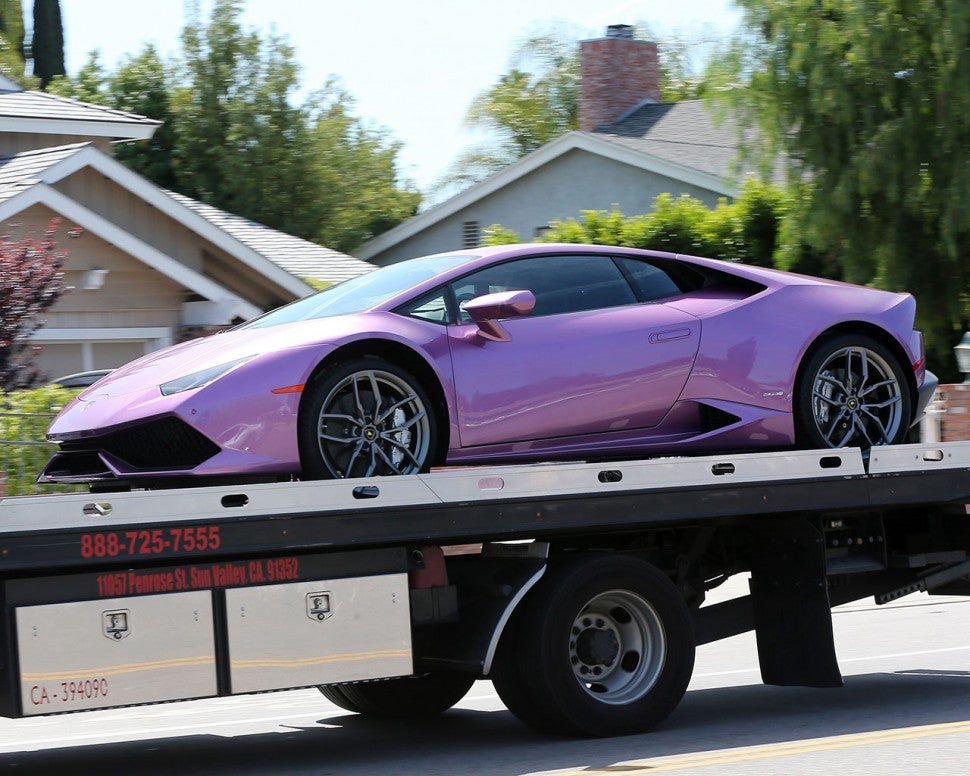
[360, 293]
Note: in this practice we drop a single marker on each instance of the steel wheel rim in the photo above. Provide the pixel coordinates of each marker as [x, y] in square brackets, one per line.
[617, 647]
[856, 399]
[373, 423]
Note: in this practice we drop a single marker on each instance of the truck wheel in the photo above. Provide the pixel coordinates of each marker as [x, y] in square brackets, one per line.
[602, 646]
[407, 697]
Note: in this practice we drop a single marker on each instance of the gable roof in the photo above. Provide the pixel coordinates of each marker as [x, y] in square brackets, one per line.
[676, 140]
[47, 114]
[297, 256]
[21, 171]
[683, 133]
[28, 178]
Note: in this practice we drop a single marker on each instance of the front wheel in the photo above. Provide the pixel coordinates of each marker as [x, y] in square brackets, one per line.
[852, 393]
[602, 646]
[365, 418]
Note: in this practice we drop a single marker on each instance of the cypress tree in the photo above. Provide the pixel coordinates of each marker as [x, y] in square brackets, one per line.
[47, 45]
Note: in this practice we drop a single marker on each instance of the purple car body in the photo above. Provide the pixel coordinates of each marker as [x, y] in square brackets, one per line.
[715, 360]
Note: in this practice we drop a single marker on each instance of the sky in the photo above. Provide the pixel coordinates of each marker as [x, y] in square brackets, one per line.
[413, 67]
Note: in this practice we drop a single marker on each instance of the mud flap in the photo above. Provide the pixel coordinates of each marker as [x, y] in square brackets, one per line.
[792, 612]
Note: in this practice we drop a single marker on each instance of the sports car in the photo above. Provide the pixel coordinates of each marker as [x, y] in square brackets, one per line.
[509, 354]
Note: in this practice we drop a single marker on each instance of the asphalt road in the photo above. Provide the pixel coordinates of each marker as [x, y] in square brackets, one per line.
[905, 709]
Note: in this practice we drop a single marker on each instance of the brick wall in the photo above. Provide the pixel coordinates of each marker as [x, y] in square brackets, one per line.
[617, 73]
[953, 404]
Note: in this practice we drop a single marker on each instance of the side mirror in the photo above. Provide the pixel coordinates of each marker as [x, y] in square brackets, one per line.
[487, 310]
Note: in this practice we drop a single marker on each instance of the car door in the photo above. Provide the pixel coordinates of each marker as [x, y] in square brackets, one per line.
[591, 358]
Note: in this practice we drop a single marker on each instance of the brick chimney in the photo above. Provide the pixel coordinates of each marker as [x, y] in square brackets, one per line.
[617, 73]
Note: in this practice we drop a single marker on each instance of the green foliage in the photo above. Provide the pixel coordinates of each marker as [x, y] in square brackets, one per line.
[47, 44]
[353, 170]
[12, 39]
[140, 85]
[537, 99]
[87, 86]
[746, 230]
[534, 102]
[233, 137]
[496, 234]
[24, 417]
[870, 100]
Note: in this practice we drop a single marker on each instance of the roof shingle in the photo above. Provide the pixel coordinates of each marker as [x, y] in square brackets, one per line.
[297, 256]
[684, 133]
[40, 105]
[21, 171]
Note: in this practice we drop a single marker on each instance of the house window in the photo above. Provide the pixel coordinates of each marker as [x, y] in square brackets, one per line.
[471, 234]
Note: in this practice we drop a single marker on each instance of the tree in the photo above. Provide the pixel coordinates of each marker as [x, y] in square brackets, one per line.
[87, 86]
[140, 85]
[12, 39]
[534, 102]
[357, 195]
[47, 43]
[31, 280]
[233, 136]
[538, 98]
[870, 100]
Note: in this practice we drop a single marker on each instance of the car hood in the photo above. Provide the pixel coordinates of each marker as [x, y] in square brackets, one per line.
[238, 344]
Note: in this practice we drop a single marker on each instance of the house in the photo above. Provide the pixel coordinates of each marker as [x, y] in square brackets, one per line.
[148, 267]
[629, 148]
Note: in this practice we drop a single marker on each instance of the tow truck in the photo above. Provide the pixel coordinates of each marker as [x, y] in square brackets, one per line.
[578, 588]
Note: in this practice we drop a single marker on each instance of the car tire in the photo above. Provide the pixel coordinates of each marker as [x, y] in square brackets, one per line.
[405, 698]
[365, 417]
[852, 392]
[601, 646]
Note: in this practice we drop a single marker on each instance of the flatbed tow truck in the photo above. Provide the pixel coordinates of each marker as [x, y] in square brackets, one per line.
[578, 588]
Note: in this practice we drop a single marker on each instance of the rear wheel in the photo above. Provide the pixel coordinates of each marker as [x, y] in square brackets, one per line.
[852, 393]
[601, 646]
[364, 418]
[408, 697]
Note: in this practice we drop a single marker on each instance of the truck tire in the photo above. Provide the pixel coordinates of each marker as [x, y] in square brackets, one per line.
[407, 697]
[602, 646]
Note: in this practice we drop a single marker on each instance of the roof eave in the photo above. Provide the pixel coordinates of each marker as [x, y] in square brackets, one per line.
[156, 197]
[115, 130]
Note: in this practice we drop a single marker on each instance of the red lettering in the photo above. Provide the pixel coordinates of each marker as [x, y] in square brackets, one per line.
[38, 695]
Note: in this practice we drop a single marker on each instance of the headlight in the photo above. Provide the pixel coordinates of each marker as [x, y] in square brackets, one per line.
[198, 379]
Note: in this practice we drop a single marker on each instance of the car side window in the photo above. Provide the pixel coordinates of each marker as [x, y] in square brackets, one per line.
[561, 284]
[430, 307]
[650, 281]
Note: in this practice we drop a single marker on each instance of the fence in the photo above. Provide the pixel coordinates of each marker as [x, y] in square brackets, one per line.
[23, 452]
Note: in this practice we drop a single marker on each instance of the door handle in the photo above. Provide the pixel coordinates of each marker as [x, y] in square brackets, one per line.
[669, 334]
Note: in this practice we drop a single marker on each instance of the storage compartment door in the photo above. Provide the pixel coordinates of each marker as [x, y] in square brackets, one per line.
[114, 652]
[310, 633]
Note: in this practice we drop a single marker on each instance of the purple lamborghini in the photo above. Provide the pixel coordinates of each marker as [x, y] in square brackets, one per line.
[511, 354]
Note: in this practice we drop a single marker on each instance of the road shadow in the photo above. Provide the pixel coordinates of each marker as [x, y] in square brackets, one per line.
[481, 742]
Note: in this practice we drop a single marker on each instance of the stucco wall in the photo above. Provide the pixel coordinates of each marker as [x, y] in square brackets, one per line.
[574, 182]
